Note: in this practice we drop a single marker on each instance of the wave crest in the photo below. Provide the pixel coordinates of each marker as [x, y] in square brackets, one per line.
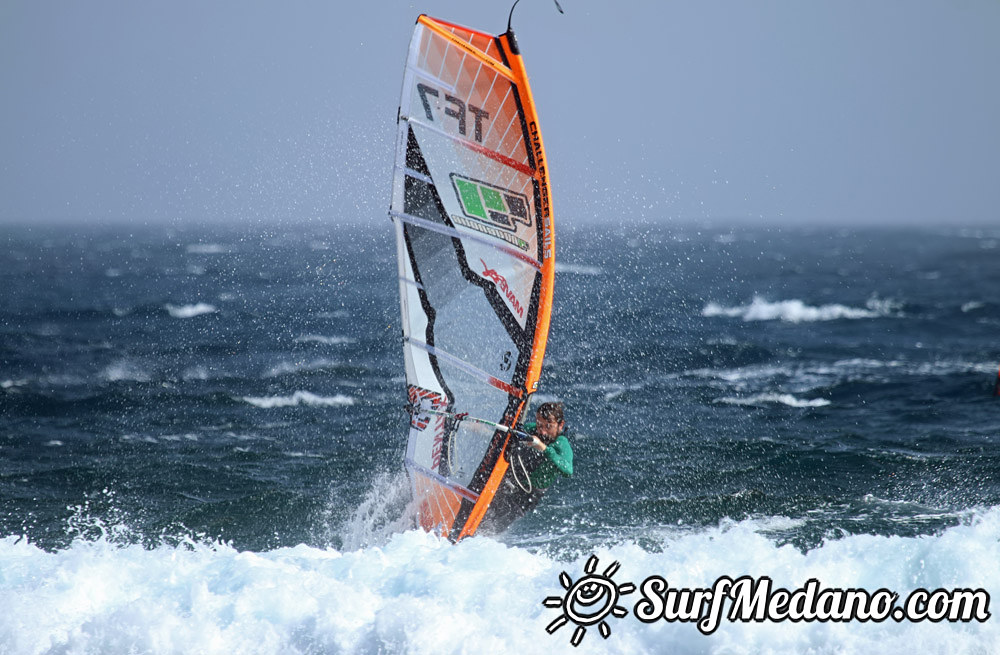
[796, 311]
[780, 398]
[418, 593]
[299, 398]
[190, 311]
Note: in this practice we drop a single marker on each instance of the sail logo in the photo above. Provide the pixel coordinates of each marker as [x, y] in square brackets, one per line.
[493, 205]
[458, 110]
[501, 284]
[424, 408]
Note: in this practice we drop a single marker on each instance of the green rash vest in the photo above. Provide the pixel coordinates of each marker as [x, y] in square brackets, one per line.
[558, 460]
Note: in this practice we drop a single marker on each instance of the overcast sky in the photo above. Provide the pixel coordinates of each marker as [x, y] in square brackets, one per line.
[747, 111]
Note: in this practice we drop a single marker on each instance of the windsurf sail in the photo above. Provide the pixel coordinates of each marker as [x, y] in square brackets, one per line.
[475, 247]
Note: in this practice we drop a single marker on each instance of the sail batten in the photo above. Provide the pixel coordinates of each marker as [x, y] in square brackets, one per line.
[443, 481]
[459, 363]
[453, 232]
[496, 155]
[475, 252]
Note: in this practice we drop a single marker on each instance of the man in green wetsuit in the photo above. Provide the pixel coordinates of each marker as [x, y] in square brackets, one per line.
[548, 439]
[534, 466]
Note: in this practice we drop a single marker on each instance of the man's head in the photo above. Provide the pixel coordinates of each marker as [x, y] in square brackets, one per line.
[549, 421]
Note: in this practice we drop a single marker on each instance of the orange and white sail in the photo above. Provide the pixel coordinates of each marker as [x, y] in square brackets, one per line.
[475, 246]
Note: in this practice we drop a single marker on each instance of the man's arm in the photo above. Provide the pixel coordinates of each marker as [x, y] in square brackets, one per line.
[560, 453]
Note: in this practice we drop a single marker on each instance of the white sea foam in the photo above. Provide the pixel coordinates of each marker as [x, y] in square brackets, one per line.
[779, 398]
[124, 371]
[206, 249]
[609, 390]
[327, 341]
[578, 269]
[299, 398]
[285, 368]
[419, 594]
[951, 367]
[384, 512]
[195, 373]
[176, 438]
[852, 369]
[796, 311]
[190, 311]
[791, 380]
[61, 379]
[48, 330]
[339, 313]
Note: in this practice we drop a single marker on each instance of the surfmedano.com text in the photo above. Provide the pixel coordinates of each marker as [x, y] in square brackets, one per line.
[756, 600]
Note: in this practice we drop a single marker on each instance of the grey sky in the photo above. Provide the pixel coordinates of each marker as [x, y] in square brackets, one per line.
[788, 110]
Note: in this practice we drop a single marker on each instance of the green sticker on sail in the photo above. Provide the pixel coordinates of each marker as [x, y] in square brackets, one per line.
[491, 204]
[468, 193]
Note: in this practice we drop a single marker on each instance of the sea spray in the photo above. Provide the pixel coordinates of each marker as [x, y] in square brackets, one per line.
[385, 510]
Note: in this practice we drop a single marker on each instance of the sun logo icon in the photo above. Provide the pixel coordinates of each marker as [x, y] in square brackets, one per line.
[588, 601]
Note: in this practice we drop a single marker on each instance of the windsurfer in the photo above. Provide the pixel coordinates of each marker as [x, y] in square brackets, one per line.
[549, 440]
[534, 467]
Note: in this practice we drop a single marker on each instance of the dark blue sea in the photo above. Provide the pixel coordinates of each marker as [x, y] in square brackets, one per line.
[202, 431]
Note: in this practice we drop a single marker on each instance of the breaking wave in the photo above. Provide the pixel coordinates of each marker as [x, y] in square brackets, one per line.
[299, 398]
[190, 311]
[417, 593]
[796, 311]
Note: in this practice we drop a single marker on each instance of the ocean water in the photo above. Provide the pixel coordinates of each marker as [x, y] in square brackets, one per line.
[202, 428]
